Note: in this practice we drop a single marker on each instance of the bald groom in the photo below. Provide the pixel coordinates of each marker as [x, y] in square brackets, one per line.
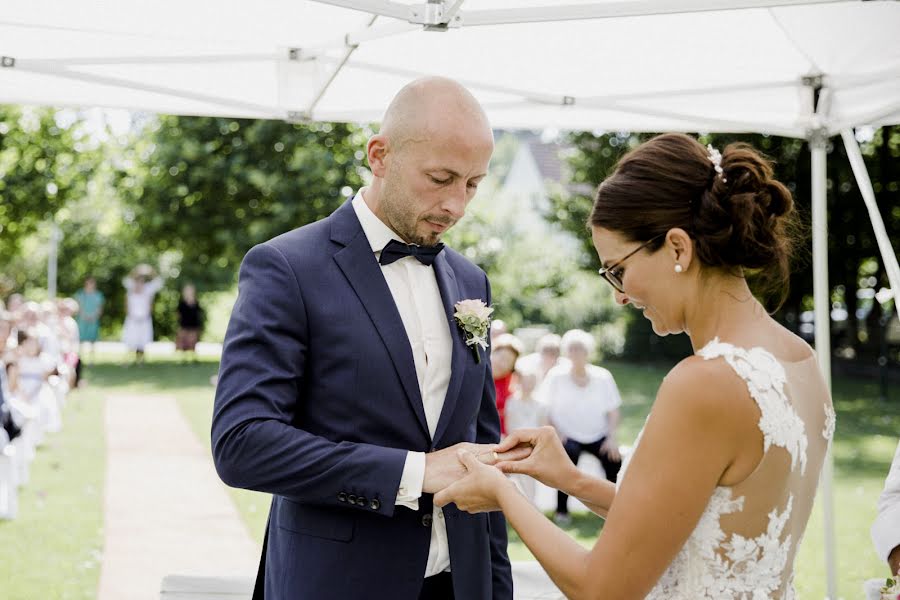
[346, 388]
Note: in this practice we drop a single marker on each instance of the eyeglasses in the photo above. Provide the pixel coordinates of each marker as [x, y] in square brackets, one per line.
[614, 276]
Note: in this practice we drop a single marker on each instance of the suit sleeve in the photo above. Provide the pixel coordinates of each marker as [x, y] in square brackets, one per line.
[886, 528]
[254, 441]
[488, 432]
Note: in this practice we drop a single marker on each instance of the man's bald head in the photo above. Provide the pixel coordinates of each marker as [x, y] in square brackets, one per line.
[433, 150]
[429, 105]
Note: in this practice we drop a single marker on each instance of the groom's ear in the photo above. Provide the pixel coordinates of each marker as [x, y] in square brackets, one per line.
[376, 151]
[680, 246]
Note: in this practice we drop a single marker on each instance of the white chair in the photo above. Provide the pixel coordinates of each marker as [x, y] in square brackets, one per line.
[50, 416]
[24, 453]
[9, 479]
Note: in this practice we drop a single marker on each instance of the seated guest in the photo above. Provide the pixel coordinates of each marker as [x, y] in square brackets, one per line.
[8, 418]
[505, 350]
[29, 381]
[546, 355]
[584, 408]
[70, 343]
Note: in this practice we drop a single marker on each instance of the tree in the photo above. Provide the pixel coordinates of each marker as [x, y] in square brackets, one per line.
[46, 161]
[207, 189]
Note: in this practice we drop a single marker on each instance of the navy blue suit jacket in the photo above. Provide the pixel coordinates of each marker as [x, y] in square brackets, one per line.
[318, 403]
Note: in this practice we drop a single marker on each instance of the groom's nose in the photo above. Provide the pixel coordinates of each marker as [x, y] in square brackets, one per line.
[455, 201]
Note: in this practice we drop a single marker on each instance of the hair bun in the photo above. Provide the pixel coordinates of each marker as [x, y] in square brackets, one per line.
[746, 171]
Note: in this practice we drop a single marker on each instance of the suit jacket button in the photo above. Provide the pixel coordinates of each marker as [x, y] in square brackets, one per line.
[361, 501]
[426, 520]
[352, 498]
[342, 497]
[375, 505]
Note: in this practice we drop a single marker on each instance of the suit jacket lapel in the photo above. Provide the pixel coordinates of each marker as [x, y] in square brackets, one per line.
[357, 261]
[446, 280]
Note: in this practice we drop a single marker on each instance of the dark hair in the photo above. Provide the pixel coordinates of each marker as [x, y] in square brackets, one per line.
[741, 218]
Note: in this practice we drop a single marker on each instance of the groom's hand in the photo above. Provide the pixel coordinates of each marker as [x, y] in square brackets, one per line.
[443, 467]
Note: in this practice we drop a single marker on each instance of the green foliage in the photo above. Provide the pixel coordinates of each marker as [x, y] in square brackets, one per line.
[46, 160]
[208, 189]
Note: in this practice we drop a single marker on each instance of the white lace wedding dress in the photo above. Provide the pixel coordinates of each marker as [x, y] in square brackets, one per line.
[744, 544]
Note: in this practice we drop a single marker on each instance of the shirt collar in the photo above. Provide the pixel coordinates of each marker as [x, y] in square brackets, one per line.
[374, 228]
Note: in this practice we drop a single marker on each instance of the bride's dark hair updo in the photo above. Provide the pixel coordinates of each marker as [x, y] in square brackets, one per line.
[739, 218]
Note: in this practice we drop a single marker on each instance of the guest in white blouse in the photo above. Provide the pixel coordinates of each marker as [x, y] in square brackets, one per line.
[584, 408]
[142, 284]
[886, 529]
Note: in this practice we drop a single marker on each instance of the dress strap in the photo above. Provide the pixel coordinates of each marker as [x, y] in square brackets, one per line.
[765, 378]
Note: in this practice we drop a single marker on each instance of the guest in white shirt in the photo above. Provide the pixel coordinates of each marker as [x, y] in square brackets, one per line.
[142, 285]
[584, 408]
[886, 529]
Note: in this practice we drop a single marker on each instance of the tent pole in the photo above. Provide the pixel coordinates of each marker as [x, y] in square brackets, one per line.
[888, 258]
[818, 141]
[55, 237]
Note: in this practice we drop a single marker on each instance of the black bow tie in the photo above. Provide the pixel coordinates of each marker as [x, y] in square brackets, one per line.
[396, 250]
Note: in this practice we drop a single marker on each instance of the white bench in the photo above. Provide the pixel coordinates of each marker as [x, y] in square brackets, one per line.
[531, 583]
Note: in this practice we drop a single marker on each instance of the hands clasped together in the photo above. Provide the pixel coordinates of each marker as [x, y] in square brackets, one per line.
[477, 481]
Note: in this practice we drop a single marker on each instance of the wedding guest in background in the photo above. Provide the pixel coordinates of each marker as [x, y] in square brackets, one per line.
[498, 328]
[524, 411]
[584, 408]
[190, 321]
[8, 415]
[142, 285]
[504, 352]
[546, 355]
[90, 309]
[69, 340]
[14, 304]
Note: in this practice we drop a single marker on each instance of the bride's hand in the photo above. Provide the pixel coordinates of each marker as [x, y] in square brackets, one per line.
[478, 491]
[547, 462]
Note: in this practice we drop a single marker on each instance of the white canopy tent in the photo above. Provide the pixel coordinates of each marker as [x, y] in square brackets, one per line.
[795, 68]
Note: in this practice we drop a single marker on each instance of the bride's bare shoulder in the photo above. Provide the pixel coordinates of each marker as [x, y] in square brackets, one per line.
[708, 388]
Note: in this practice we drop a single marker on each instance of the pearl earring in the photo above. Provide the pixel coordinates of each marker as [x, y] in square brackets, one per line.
[678, 268]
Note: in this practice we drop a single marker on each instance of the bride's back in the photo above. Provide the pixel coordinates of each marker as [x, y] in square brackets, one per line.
[745, 543]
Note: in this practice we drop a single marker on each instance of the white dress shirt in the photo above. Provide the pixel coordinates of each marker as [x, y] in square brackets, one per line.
[886, 529]
[418, 299]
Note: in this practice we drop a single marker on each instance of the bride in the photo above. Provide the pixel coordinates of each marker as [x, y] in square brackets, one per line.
[714, 500]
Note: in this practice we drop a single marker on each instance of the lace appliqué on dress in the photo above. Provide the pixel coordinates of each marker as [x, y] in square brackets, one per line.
[779, 422]
[712, 565]
[830, 420]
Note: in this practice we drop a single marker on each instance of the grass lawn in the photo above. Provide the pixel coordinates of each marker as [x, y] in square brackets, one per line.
[52, 551]
[54, 545]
